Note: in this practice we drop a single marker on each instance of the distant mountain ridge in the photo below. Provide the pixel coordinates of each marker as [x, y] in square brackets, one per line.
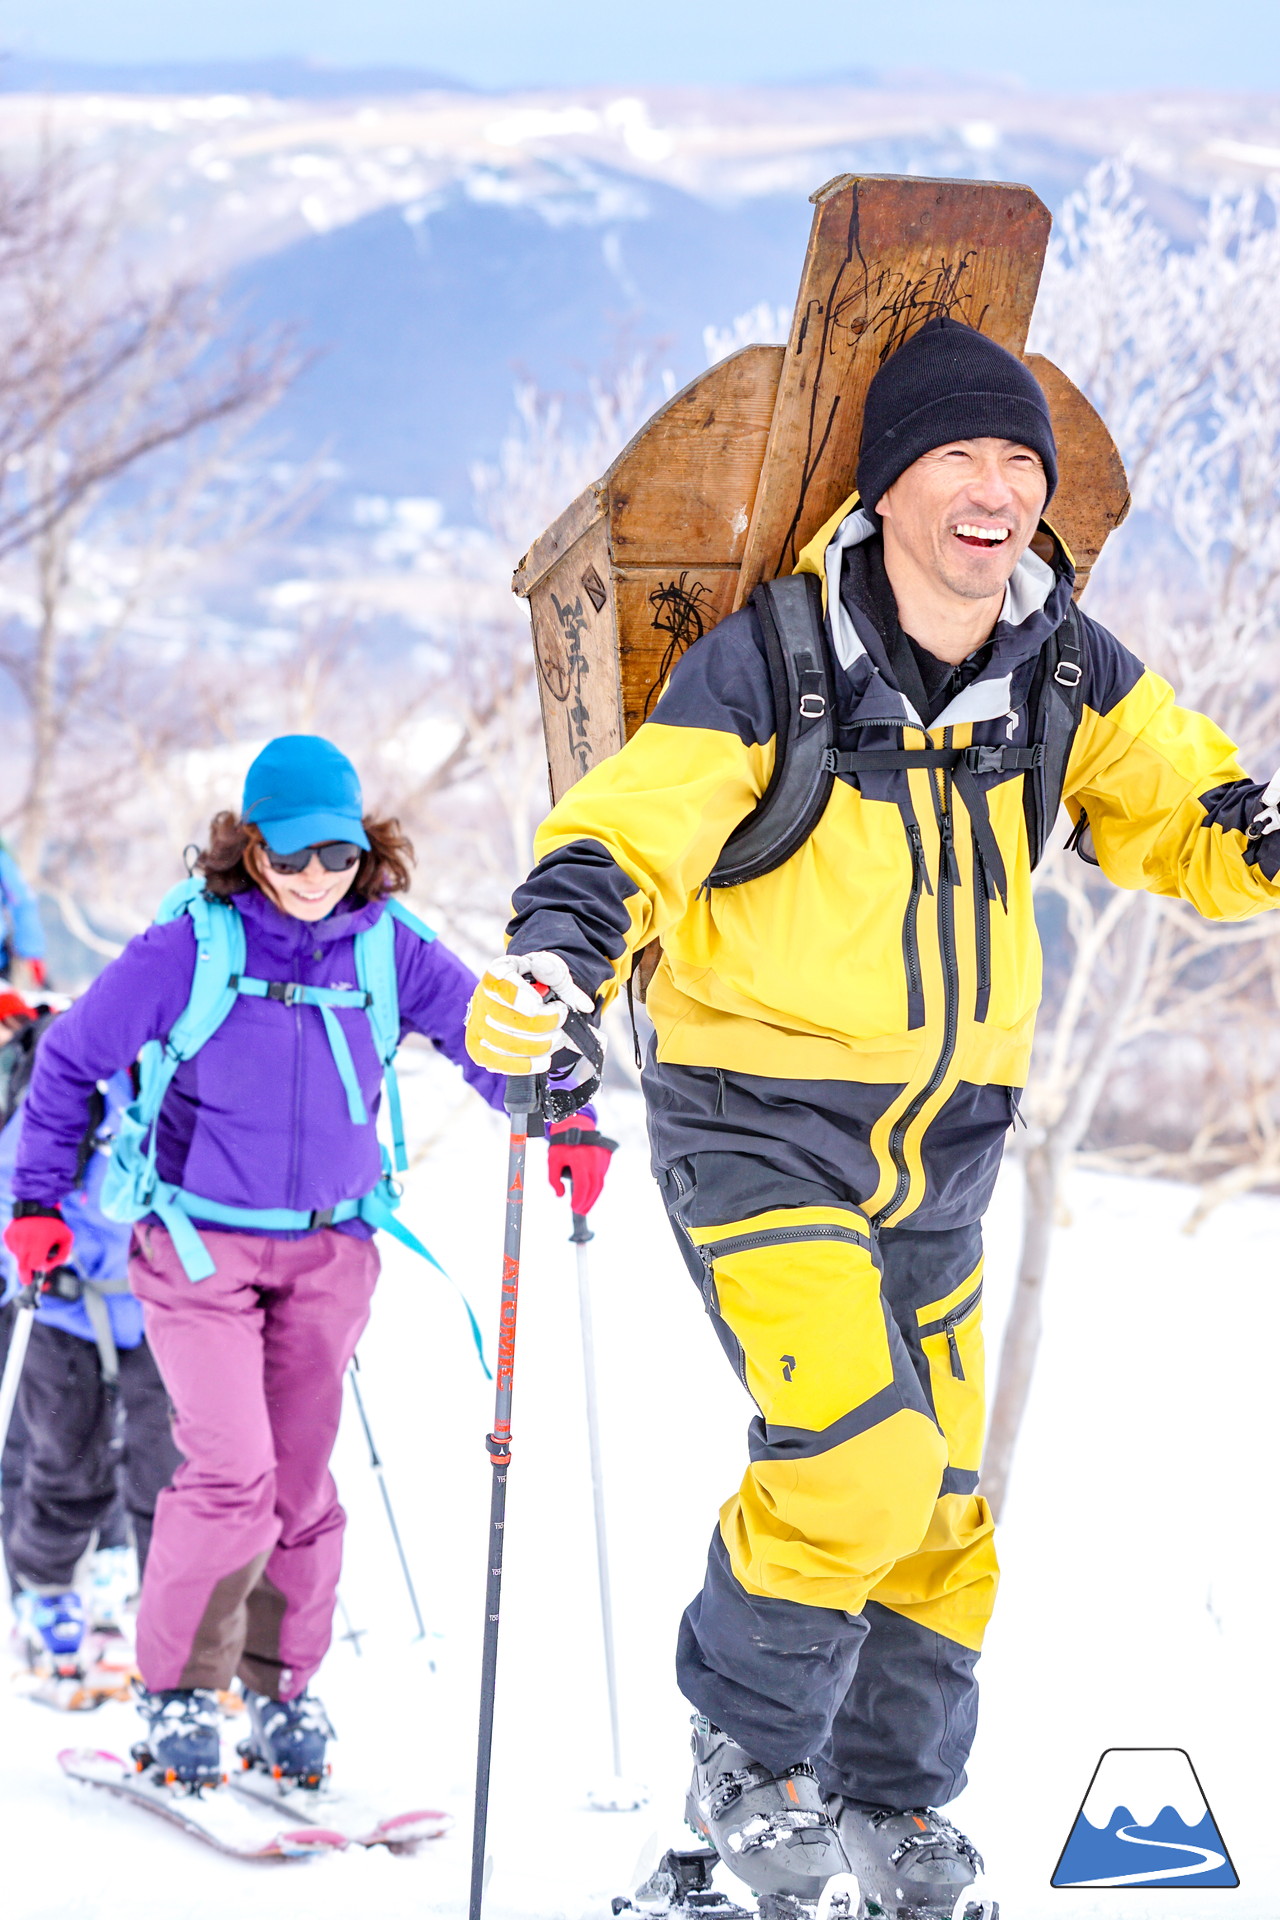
[434, 244]
[285, 78]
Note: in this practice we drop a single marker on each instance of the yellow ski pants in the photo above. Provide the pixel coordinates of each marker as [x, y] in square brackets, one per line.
[854, 1569]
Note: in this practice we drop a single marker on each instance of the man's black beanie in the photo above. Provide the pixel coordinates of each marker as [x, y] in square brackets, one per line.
[948, 382]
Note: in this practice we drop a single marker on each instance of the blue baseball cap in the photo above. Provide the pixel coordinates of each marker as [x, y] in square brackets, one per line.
[300, 791]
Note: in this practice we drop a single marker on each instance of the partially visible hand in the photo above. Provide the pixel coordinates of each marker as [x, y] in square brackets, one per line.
[581, 1156]
[38, 1242]
[510, 1027]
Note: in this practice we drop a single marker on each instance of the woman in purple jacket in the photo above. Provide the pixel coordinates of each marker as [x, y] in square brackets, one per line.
[243, 1569]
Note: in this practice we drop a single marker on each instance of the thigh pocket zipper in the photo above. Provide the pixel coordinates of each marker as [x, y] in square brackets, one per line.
[948, 1324]
[779, 1237]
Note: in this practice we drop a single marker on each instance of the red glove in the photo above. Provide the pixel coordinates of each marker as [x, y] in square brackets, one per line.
[39, 1241]
[581, 1156]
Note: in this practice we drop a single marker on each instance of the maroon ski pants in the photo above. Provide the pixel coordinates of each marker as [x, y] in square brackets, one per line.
[243, 1570]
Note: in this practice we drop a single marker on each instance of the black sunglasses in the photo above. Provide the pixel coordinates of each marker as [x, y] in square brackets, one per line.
[336, 856]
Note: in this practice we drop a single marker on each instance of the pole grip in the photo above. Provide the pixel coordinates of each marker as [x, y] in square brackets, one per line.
[581, 1231]
[524, 1093]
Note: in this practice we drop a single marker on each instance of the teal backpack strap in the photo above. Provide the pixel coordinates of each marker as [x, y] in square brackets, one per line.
[398, 911]
[220, 952]
[376, 972]
[130, 1183]
[378, 1209]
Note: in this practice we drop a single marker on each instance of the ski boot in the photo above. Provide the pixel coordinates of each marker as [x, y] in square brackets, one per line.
[183, 1747]
[287, 1739]
[113, 1584]
[914, 1865]
[49, 1630]
[773, 1830]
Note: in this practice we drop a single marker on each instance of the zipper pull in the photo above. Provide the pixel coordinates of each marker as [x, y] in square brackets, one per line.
[957, 1368]
[980, 874]
[950, 872]
[919, 865]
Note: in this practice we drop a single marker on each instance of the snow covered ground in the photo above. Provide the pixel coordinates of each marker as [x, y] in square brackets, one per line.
[1139, 1556]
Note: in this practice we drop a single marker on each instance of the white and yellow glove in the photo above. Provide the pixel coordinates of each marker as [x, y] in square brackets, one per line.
[510, 1027]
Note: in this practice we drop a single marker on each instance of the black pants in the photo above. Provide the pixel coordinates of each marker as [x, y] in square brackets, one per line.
[68, 1449]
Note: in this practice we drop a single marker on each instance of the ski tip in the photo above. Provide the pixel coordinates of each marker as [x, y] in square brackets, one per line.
[406, 1832]
[302, 1840]
[430, 1819]
[87, 1756]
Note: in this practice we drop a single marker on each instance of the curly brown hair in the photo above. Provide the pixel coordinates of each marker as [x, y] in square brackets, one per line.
[383, 869]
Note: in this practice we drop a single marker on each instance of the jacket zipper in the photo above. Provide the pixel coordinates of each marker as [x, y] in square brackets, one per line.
[296, 1130]
[948, 1324]
[948, 881]
[910, 930]
[981, 932]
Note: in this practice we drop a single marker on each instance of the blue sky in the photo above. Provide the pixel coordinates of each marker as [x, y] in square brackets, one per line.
[496, 43]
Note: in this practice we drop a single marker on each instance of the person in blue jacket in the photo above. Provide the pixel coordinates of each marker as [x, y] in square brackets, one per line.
[87, 1370]
[21, 934]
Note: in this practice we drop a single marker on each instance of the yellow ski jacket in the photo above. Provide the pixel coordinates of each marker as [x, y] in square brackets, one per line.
[880, 952]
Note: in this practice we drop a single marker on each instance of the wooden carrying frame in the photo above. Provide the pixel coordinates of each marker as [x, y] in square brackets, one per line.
[726, 483]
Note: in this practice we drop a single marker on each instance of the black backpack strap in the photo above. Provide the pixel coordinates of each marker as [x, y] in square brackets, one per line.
[1053, 716]
[790, 615]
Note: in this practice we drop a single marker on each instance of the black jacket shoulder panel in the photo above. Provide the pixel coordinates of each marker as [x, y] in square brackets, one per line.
[1110, 670]
[722, 683]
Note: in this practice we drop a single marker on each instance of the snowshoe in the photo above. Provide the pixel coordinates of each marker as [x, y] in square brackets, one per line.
[287, 1739]
[914, 1865]
[49, 1630]
[183, 1747]
[773, 1830]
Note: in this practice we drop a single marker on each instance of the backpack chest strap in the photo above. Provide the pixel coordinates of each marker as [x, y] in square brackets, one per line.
[999, 759]
[291, 993]
[962, 764]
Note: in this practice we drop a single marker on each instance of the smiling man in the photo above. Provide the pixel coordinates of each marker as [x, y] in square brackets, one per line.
[842, 1027]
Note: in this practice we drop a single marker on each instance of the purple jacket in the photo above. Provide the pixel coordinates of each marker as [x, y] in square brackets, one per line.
[259, 1117]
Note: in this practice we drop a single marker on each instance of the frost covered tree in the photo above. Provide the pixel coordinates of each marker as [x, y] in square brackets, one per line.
[1177, 348]
[126, 395]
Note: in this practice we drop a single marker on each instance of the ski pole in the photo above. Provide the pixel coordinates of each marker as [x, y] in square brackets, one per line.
[523, 1097]
[354, 1634]
[27, 1297]
[578, 1238]
[375, 1461]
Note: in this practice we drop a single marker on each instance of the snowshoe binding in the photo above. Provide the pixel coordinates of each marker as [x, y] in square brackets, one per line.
[914, 1865]
[49, 1631]
[183, 1747]
[774, 1831]
[287, 1739]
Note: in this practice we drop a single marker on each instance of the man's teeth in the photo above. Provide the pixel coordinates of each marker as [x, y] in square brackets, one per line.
[967, 531]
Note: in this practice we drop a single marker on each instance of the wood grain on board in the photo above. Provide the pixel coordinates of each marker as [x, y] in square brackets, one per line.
[663, 534]
[1093, 490]
[761, 449]
[885, 254]
[575, 645]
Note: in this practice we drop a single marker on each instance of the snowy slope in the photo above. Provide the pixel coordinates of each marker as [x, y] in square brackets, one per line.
[1136, 1608]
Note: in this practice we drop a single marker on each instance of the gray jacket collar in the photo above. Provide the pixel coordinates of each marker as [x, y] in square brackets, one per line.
[989, 697]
